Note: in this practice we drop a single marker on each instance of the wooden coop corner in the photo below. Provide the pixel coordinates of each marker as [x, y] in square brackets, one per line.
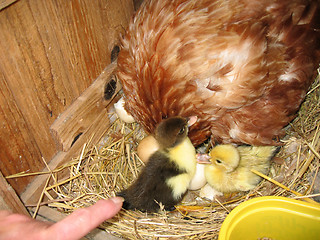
[84, 121]
[9, 200]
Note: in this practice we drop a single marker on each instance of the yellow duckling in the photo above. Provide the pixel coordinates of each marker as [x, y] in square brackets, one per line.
[230, 166]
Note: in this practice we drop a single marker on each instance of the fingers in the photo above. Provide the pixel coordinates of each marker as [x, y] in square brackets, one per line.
[18, 226]
[4, 213]
[82, 221]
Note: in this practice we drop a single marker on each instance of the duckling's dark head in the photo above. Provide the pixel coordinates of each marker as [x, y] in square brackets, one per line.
[172, 131]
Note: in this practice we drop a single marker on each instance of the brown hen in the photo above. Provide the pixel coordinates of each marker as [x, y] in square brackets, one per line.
[243, 67]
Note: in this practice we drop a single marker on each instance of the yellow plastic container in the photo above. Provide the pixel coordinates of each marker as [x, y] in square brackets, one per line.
[276, 218]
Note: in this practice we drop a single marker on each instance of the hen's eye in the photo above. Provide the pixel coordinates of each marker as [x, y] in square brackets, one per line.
[181, 131]
[218, 161]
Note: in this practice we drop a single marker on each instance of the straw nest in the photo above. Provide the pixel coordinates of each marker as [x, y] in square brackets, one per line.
[102, 170]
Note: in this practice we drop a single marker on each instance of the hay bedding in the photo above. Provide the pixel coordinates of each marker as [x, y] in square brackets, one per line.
[101, 171]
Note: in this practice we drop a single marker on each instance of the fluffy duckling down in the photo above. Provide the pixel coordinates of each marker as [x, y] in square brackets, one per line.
[168, 171]
[229, 168]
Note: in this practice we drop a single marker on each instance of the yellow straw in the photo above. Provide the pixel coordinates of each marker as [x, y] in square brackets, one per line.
[63, 182]
[283, 186]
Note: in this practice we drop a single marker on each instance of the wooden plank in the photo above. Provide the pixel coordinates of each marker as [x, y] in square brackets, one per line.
[51, 52]
[31, 195]
[9, 200]
[83, 112]
[19, 150]
[6, 3]
[70, 122]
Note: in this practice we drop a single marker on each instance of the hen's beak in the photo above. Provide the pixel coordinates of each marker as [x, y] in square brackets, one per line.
[203, 158]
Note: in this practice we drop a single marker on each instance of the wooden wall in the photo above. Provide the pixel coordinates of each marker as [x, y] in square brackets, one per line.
[51, 51]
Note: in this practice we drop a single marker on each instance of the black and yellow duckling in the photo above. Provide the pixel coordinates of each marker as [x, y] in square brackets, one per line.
[168, 172]
[229, 168]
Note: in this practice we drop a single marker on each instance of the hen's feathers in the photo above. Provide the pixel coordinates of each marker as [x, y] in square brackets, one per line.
[243, 67]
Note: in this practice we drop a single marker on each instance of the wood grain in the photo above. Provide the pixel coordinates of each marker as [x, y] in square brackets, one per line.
[6, 3]
[9, 199]
[93, 130]
[51, 51]
[81, 114]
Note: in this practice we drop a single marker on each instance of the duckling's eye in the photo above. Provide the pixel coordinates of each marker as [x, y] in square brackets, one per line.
[218, 161]
[181, 131]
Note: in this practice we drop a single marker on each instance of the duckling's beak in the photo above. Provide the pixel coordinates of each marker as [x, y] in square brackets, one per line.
[203, 158]
[192, 120]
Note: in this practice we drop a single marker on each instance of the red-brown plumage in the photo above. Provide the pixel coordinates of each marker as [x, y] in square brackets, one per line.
[243, 67]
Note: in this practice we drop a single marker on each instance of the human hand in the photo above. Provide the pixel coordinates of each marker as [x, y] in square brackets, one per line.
[74, 226]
